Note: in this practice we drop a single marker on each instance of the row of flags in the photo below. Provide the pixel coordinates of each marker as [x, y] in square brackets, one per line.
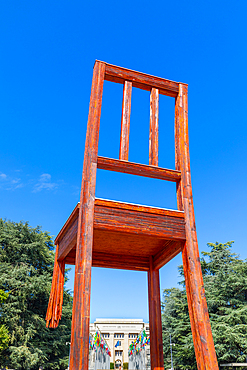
[98, 342]
[139, 343]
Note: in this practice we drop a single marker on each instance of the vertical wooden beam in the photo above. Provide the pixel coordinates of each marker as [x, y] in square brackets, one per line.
[155, 324]
[194, 329]
[154, 127]
[201, 329]
[193, 321]
[82, 285]
[125, 122]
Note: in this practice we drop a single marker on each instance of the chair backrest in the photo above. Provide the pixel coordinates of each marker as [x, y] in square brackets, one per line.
[156, 86]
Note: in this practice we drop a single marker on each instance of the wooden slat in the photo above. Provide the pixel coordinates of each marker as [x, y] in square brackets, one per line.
[138, 222]
[74, 214]
[171, 249]
[131, 168]
[148, 222]
[141, 80]
[201, 329]
[125, 122]
[154, 128]
[131, 262]
[155, 324]
[79, 350]
[119, 261]
[68, 239]
[138, 208]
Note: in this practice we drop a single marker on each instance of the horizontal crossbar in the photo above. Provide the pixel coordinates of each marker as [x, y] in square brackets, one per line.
[132, 168]
[141, 80]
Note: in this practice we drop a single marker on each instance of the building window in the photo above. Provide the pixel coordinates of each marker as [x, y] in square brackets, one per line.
[114, 335]
[118, 353]
[133, 336]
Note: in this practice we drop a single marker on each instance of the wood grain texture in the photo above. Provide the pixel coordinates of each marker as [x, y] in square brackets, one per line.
[69, 239]
[201, 329]
[120, 261]
[120, 235]
[125, 228]
[52, 300]
[155, 324]
[132, 255]
[125, 122]
[170, 250]
[126, 243]
[138, 222]
[54, 310]
[74, 214]
[154, 128]
[79, 350]
[141, 80]
[99, 202]
[193, 320]
[132, 168]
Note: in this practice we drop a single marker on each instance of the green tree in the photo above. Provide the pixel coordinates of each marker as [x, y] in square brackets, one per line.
[225, 280]
[26, 266]
[4, 334]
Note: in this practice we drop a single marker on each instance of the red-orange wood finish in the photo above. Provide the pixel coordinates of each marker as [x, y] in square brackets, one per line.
[54, 310]
[154, 128]
[201, 329]
[114, 234]
[79, 352]
[196, 337]
[125, 123]
[132, 168]
[155, 325]
[141, 80]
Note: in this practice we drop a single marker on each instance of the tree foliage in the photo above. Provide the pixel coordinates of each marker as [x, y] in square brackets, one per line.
[225, 280]
[4, 334]
[26, 266]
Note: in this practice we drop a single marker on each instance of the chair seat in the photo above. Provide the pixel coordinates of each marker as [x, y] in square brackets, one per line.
[126, 235]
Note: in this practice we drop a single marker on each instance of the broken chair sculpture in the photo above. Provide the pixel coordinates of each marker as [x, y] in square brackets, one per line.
[112, 234]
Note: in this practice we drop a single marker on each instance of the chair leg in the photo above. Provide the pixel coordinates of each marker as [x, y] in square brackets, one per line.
[194, 329]
[155, 324]
[79, 350]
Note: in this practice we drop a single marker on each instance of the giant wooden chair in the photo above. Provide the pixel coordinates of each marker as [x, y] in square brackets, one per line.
[113, 234]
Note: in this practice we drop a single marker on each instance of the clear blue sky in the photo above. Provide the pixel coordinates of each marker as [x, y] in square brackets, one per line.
[48, 50]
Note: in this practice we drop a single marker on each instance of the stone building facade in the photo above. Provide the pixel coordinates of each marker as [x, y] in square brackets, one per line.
[123, 331]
